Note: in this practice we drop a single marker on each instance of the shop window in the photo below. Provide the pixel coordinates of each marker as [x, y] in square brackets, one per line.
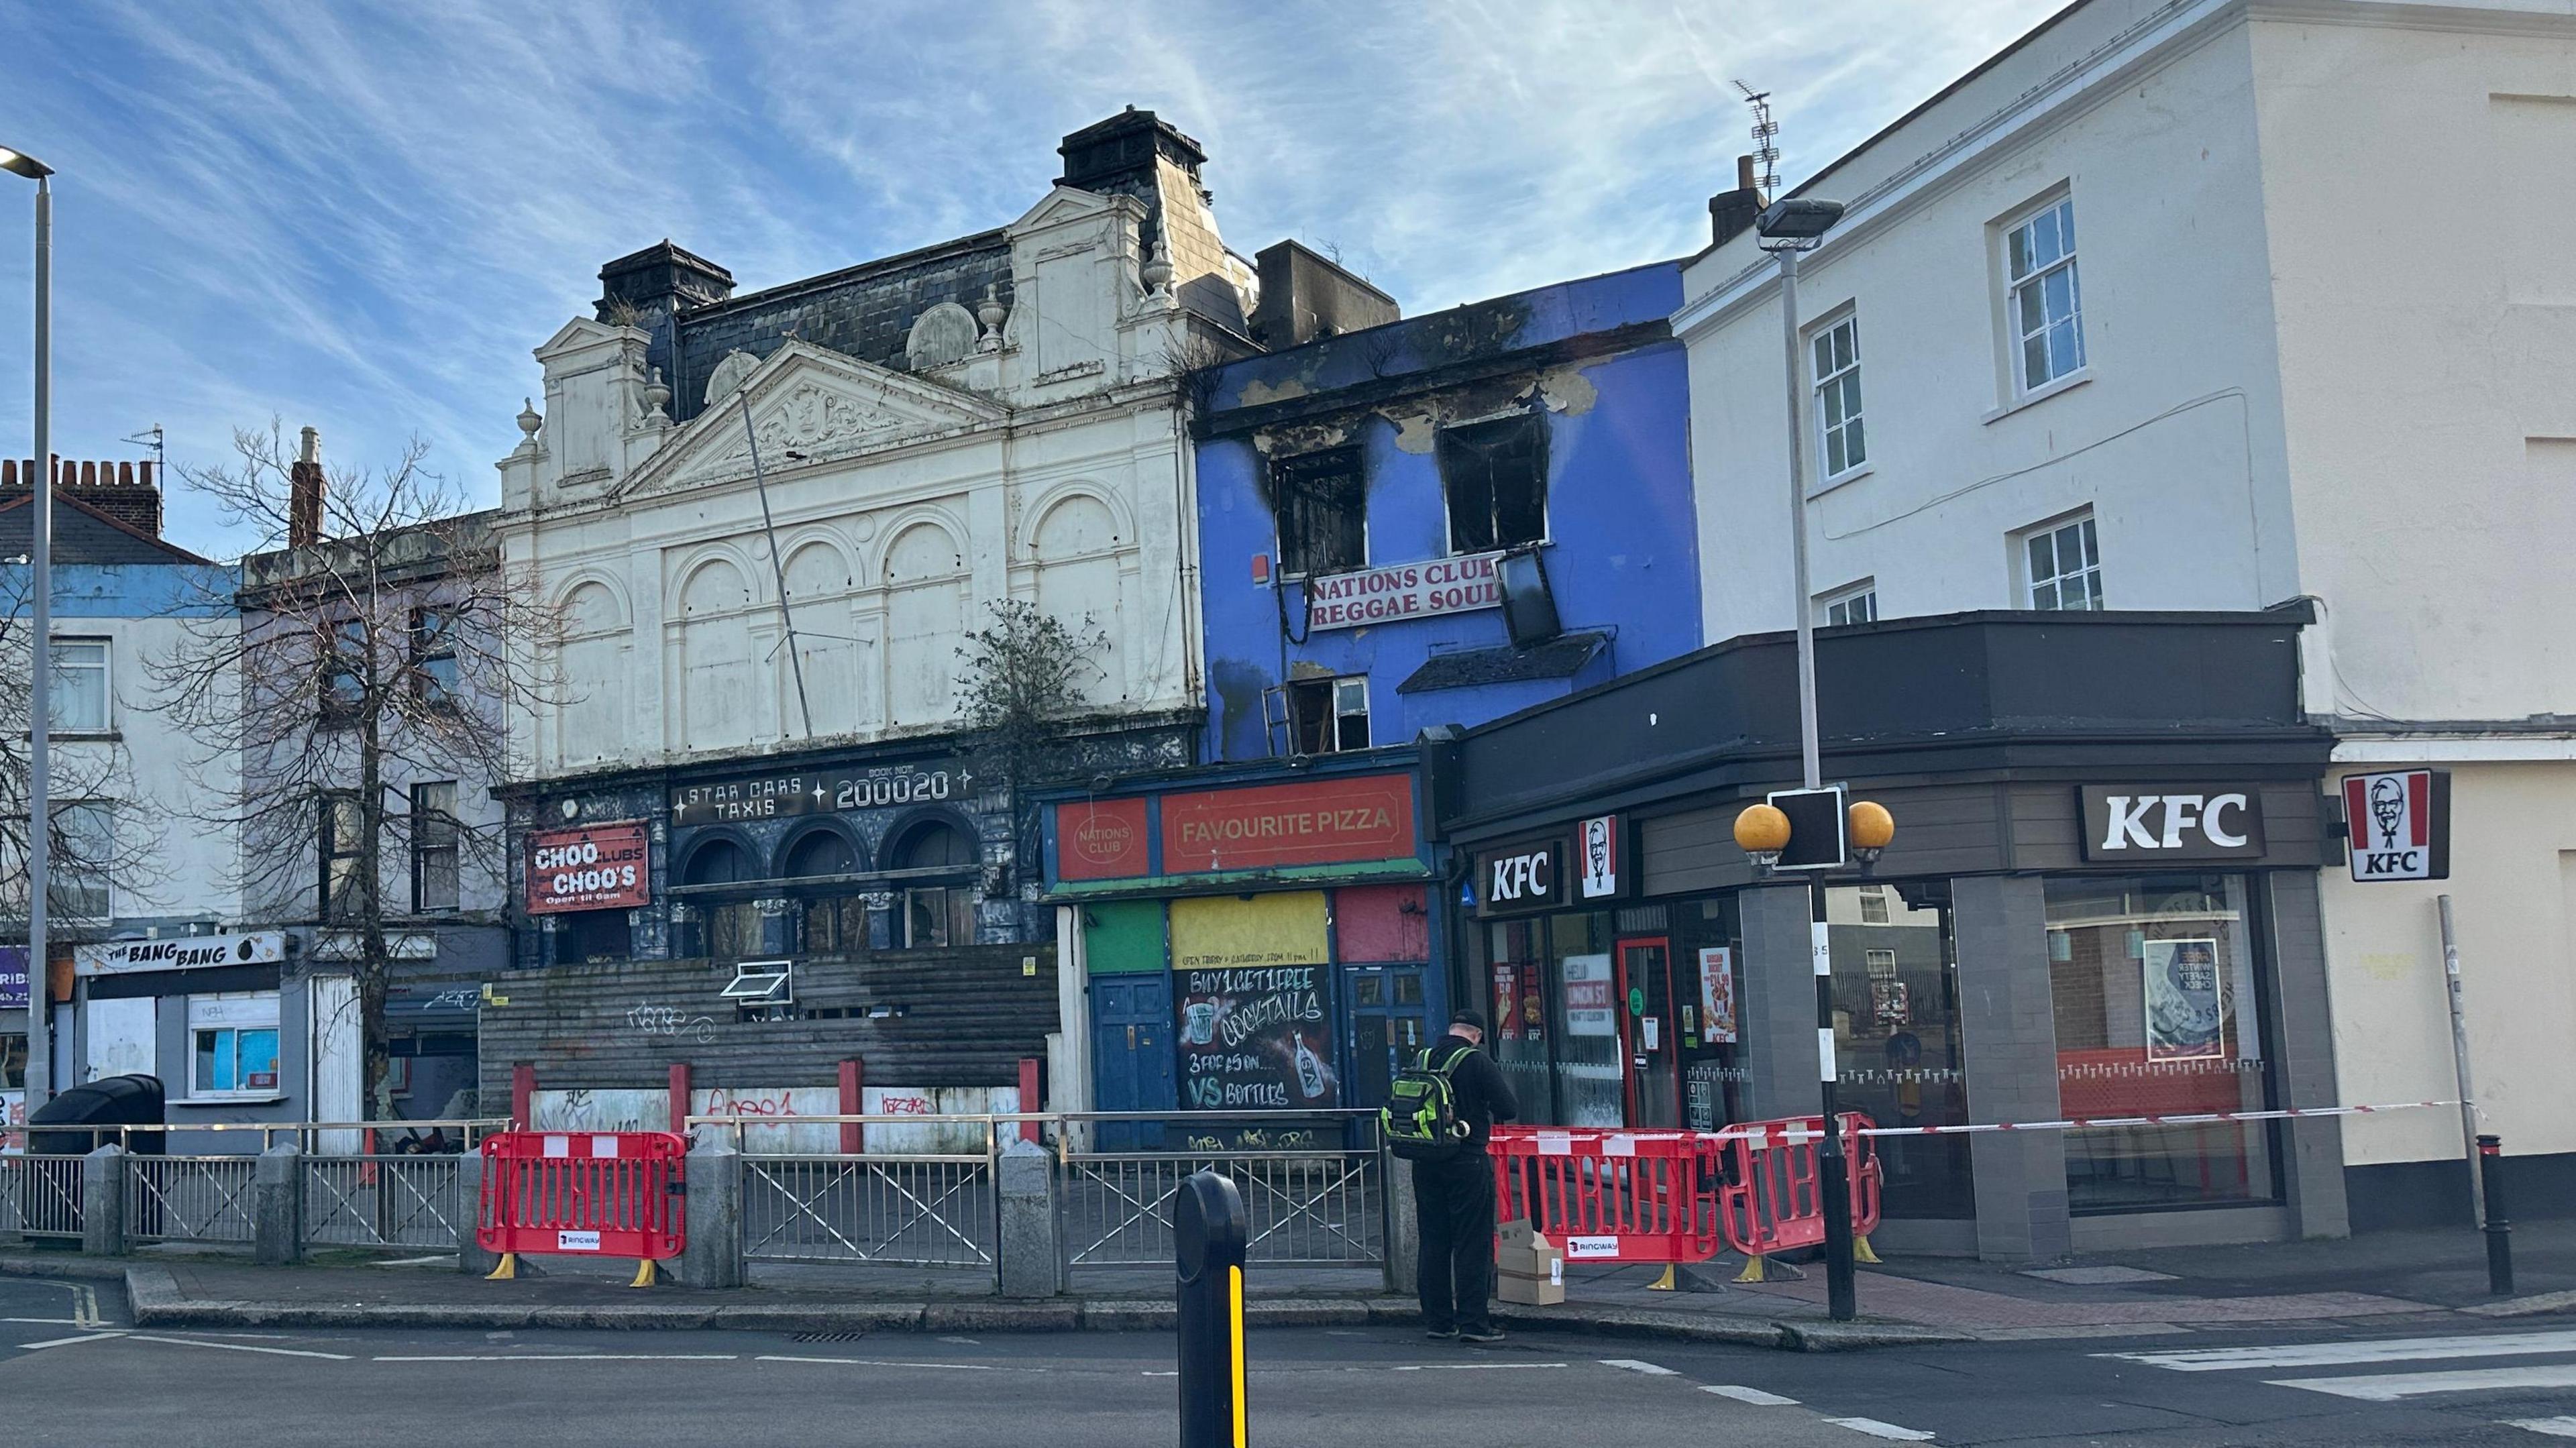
[233, 1044]
[582, 936]
[13, 1061]
[344, 833]
[1495, 477]
[1323, 512]
[938, 912]
[834, 922]
[1328, 716]
[78, 703]
[2159, 1011]
[433, 656]
[434, 838]
[1898, 1055]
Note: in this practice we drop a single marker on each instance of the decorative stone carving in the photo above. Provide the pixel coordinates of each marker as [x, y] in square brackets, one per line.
[722, 383]
[990, 313]
[529, 422]
[657, 401]
[946, 333]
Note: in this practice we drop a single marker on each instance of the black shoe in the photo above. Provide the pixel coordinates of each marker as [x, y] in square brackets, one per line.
[1443, 1334]
[1480, 1334]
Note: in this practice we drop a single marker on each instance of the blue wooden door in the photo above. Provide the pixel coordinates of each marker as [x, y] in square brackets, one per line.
[1131, 1054]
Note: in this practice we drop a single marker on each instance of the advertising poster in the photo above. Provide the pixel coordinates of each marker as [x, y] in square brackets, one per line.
[1220, 931]
[1717, 994]
[1507, 1004]
[596, 867]
[13, 977]
[1890, 1003]
[1256, 1039]
[1590, 1001]
[2185, 1005]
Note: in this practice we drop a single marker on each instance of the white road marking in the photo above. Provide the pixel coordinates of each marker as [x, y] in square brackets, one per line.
[1755, 1396]
[47, 1321]
[1631, 1365]
[2553, 1427]
[886, 1363]
[68, 1341]
[2331, 1354]
[1877, 1429]
[561, 1357]
[337, 1357]
[1436, 1368]
[2391, 1387]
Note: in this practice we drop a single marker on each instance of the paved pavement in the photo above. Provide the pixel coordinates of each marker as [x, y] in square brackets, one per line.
[75, 1372]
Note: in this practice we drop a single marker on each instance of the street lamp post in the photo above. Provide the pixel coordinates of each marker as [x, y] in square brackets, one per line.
[40, 655]
[1788, 227]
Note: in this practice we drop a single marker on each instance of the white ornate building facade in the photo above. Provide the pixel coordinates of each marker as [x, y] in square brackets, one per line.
[771, 520]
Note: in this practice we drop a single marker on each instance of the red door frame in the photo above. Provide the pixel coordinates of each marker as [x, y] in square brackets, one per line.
[1631, 1034]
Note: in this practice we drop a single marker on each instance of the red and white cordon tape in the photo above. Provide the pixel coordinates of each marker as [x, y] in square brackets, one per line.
[1796, 1136]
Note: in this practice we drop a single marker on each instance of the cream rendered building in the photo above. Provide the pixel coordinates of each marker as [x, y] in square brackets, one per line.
[2225, 304]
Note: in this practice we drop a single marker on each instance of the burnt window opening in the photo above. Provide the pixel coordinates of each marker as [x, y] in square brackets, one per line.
[1495, 476]
[1323, 512]
[1328, 716]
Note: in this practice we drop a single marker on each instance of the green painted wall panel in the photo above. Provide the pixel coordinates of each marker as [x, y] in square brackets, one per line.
[1123, 937]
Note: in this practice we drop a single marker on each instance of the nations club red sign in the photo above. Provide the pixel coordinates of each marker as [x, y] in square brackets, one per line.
[1316, 822]
[598, 867]
[1101, 839]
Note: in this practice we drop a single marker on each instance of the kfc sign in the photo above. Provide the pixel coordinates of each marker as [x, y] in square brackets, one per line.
[2156, 823]
[600, 867]
[2400, 824]
[1523, 878]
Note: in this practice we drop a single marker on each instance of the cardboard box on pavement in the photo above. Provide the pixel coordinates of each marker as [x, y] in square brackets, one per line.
[1529, 1269]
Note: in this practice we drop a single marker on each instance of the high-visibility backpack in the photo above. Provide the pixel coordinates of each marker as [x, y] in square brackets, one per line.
[1420, 1118]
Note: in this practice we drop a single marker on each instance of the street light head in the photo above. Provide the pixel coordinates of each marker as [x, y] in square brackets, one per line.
[1797, 221]
[24, 164]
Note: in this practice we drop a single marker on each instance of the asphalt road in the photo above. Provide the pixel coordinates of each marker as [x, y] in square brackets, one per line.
[73, 1372]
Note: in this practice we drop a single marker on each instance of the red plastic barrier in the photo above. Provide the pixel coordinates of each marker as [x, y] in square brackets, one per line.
[1610, 1196]
[604, 1193]
[1771, 1201]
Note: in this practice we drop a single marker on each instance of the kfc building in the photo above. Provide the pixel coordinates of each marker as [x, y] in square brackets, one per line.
[2101, 900]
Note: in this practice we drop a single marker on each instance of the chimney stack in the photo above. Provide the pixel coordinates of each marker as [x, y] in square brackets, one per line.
[304, 494]
[1731, 213]
[128, 492]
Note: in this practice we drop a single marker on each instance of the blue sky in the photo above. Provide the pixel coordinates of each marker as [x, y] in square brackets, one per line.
[363, 216]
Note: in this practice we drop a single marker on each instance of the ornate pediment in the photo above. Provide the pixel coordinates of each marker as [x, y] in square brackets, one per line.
[814, 404]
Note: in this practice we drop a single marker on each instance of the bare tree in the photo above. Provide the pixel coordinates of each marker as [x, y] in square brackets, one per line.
[83, 776]
[388, 643]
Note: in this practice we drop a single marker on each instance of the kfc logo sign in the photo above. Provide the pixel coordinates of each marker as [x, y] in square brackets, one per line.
[2166, 823]
[1521, 879]
[2400, 824]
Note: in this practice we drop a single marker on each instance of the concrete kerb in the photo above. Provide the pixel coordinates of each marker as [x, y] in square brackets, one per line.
[2532, 1306]
[154, 1297]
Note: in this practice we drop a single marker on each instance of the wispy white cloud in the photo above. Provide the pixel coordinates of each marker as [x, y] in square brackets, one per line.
[364, 216]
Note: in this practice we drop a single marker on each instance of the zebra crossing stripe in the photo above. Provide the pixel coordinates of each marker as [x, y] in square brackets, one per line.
[2394, 1387]
[2553, 1427]
[2336, 1354]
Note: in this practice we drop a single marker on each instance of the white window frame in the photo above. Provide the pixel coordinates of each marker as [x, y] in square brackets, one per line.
[1830, 373]
[2058, 209]
[235, 1012]
[1863, 593]
[2088, 534]
[1873, 905]
[104, 668]
[1339, 692]
[422, 827]
[1879, 962]
[64, 871]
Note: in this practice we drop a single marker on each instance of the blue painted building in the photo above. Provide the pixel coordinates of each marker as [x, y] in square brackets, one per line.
[1365, 497]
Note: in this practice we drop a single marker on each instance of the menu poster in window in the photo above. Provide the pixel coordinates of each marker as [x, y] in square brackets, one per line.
[1890, 1003]
[1507, 1004]
[1257, 1040]
[1717, 994]
[2186, 1005]
[1589, 999]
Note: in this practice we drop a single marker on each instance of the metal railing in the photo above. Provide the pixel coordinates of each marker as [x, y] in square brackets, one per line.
[40, 1196]
[386, 1201]
[189, 1198]
[1313, 1185]
[257, 1136]
[913, 1211]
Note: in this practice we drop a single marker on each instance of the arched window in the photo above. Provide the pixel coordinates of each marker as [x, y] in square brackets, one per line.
[939, 895]
[732, 927]
[833, 919]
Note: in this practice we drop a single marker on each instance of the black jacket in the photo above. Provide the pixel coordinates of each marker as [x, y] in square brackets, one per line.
[1483, 1094]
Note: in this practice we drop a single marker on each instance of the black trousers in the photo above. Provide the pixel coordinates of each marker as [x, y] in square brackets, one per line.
[1453, 1203]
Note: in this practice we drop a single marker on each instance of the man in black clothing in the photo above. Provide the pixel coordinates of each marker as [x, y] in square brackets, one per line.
[1454, 1199]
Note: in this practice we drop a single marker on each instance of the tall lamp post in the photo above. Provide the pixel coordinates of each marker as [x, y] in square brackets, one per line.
[1785, 228]
[41, 654]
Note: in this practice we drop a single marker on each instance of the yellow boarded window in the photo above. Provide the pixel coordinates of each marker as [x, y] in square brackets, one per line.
[1226, 931]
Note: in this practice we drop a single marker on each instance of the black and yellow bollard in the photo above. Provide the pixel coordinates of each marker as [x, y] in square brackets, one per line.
[1209, 1265]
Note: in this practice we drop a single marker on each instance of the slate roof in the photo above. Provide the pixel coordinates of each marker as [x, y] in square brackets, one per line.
[83, 534]
[1558, 658]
